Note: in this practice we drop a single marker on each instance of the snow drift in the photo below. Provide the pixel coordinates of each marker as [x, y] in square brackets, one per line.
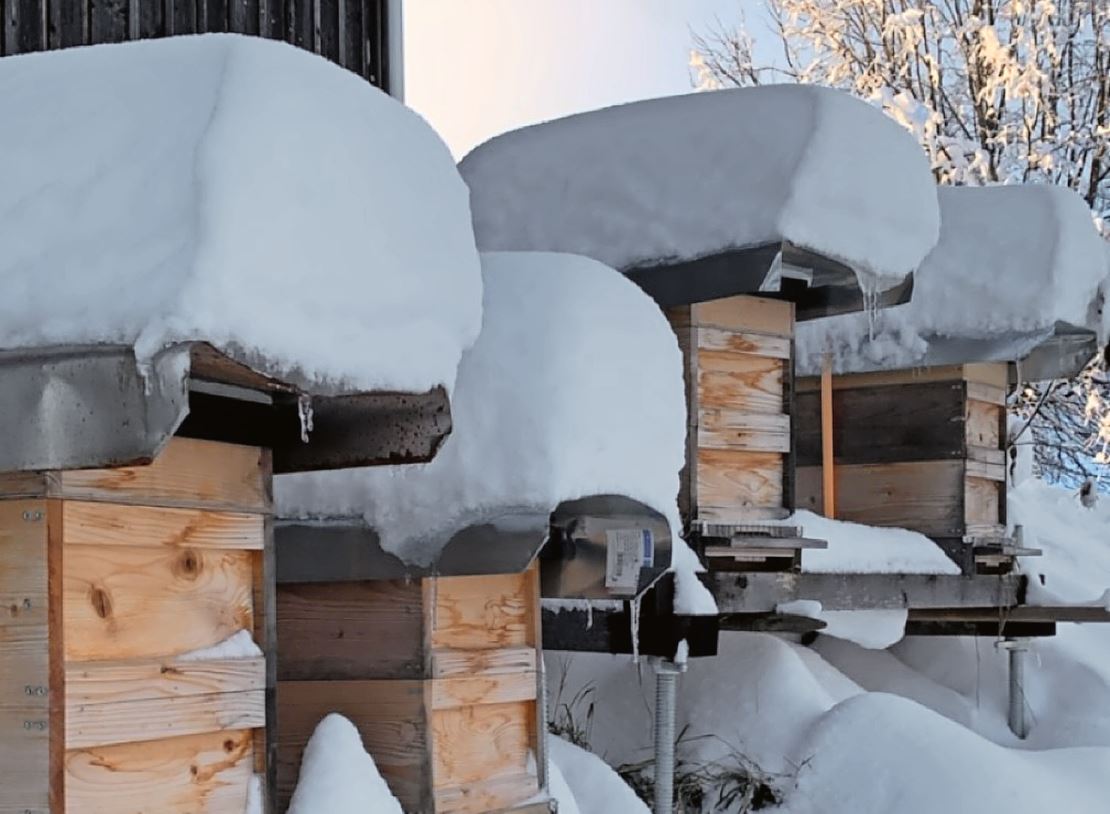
[1012, 261]
[234, 190]
[574, 388]
[338, 776]
[687, 176]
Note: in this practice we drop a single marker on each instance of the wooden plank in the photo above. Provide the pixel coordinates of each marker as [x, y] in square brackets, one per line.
[992, 380]
[183, 16]
[22, 485]
[55, 588]
[983, 424]
[885, 424]
[739, 381]
[244, 16]
[265, 635]
[925, 496]
[468, 691]
[449, 663]
[474, 744]
[828, 464]
[390, 715]
[125, 602]
[747, 313]
[720, 428]
[350, 630]
[482, 612]
[91, 523]
[353, 41]
[762, 592]
[757, 344]
[189, 473]
[151, 18]
[24, 657]
[152, 719]
[739, 481]
[108, 20]
[30, 19]
[995, 374]
[119, 682]
[499, 795]
[69, 24]
[987, 393]
[982, 500]
[196, 774]
[986, 464]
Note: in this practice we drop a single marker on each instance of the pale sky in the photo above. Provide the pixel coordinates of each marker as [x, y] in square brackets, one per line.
[475, 68]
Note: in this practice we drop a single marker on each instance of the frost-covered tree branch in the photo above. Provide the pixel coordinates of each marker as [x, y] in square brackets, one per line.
[996, 91]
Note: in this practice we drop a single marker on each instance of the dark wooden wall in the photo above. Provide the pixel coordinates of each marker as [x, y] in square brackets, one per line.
[352, 33]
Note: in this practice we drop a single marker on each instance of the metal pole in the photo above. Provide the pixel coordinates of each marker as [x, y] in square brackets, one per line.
[1018, 724]
[666, 690]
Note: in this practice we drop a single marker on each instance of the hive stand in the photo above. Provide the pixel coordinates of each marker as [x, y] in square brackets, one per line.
[921, 449]
[738, 360]
[108, 577]
[441, 675]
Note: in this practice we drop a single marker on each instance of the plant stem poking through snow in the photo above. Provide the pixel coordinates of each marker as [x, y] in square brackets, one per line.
[304, 412]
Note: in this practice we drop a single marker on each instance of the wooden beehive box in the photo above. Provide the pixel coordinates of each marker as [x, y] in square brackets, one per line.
[107, 577]
[738, 360]
[440, 675]
[920, 449]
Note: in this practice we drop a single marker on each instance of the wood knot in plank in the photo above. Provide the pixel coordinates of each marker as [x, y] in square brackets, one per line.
[188, 565]
[101, 602]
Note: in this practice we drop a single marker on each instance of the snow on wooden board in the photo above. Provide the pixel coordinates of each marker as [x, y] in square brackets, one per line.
[1011, 261]
[574, 388]
[683, 177]
[234, 190]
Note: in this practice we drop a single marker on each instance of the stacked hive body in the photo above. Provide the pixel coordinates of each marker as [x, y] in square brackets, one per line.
[738, 354]
[108, 577]
[921, 449]
[440, 675]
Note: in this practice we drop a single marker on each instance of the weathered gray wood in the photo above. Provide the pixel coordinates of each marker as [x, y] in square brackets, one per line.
[243, 16]
[150, 18]
[351, 40]
[108, 21]
[756, 592]
[68, 23]
[328, 22]
[213, 16]
[906, 422]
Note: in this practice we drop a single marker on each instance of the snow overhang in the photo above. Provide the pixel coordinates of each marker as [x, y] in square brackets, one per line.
[573, 564]
[818, 286]
[96, 406]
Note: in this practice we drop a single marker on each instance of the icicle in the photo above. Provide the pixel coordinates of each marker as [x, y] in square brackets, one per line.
[304, 411]
[634, 622]
[589, 615]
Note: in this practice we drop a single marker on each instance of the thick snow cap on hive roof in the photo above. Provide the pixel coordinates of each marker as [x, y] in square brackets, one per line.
[1015, 265]
[573, 389]
[685, 177]
[237, 191]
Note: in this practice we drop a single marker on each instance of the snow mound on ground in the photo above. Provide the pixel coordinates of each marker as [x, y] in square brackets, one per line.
[338, 776]
[235, 190]
[1075, 542]
[878, 752]
[595, 787]
[858, 549]
[574, 372]
[756, 699]
[872, 629]
[1010, 260]
[687, 176]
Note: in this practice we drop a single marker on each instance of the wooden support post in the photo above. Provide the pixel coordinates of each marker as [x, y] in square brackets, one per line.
[828, 466]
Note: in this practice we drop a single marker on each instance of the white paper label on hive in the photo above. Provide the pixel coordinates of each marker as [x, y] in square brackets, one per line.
[628, 550]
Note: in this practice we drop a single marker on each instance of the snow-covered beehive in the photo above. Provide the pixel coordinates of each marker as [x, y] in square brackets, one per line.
[411, 596]
[1012, 292]
[211, 274]
[737, 211]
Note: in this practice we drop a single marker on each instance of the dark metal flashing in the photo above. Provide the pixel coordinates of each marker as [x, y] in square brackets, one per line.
[81, 407]
[829, 287]
[573, 565]
[348, 550]
[608, 630]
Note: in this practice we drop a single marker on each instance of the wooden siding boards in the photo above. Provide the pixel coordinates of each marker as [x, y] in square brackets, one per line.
[104, 587]
[351, 33]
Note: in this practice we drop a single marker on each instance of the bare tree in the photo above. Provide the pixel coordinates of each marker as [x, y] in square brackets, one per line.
[996, 91]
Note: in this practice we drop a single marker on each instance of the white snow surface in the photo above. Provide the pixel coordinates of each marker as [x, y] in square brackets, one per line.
[687, 176]
[1010, 260]
[858, 549]
[235, 190]
[871, 629]
[574, 388]
[239, 645]
[338, 776]
[594, 786]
